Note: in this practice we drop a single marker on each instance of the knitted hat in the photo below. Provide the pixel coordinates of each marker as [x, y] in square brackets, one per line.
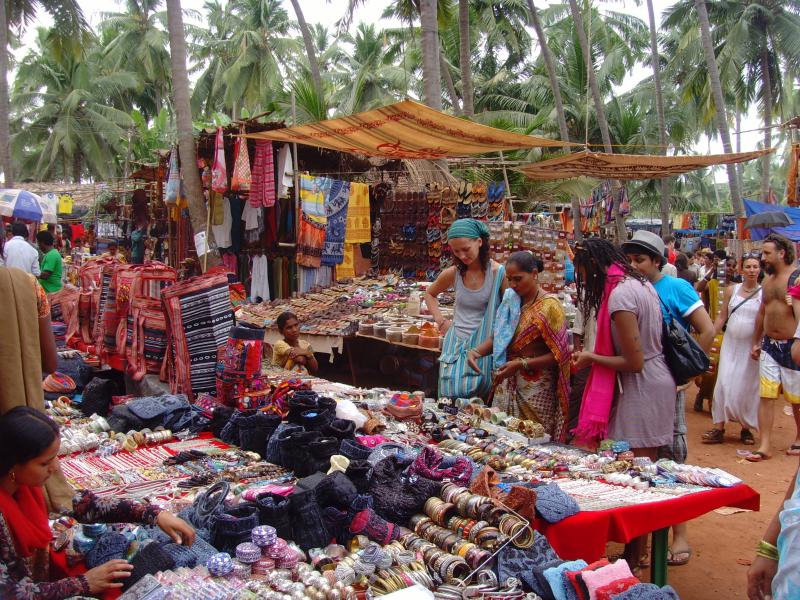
[58, 383]
[369, 523]
[315, 419]
[539, 583]
[339, 463]
[386, 450]
[360, 473]
[553, 504]
[274, 510]
[108, 546]
[336, 490]
[255, 431]
[234, 526]
[556, 580]
[520, 562]
[648, 591]
[307, 523]
[354, 450]
[283, 431]
[220, 418]
[397, 498]
[340, 428]
[151, 559]
[97, 396]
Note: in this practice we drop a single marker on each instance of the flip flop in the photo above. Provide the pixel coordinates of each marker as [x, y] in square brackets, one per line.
[794, 450]
[673, 562]
[757, 456]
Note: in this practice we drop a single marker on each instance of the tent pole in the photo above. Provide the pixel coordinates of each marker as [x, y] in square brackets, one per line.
[296, 182]
[505, 179]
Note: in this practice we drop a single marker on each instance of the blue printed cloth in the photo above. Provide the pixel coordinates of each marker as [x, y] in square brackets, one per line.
[505, 324]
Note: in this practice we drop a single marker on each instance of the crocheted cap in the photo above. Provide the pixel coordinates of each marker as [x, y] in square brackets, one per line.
[386, 450]
[58, 383]
[108, 546]
[354, 450]
[340, 428]
[553, 504]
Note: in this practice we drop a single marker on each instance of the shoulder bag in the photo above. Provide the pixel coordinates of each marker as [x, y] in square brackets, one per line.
[685, 358]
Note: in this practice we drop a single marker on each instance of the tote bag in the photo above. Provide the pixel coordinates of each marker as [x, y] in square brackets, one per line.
[456, 378]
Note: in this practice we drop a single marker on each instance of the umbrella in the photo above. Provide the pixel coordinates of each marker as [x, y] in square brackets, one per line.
[21, 204]
[769, 219]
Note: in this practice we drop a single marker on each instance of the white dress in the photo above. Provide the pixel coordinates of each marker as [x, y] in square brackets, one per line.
[736, 394]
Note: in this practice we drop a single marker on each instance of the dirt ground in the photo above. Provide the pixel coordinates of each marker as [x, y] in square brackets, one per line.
[724, 544]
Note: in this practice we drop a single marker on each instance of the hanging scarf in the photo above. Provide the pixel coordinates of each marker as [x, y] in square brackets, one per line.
[240, 181]
[598, 396]
[262, 186]
[219, 171]
[173, 190]
[26, 516]
[336, 212]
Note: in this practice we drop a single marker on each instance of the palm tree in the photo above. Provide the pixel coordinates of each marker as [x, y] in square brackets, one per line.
[719, 102]
[183, 117]
[561, 117]
[212, 53]
[662, 126]
[69, 27]
[431, 72]
[308, 41]
[465, 51]
[66, 120]
[137, 42]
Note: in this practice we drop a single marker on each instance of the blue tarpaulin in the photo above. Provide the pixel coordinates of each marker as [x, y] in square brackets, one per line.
[751, 207]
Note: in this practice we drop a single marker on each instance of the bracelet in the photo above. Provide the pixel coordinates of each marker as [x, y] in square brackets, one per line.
[524, 364]
[766, 550]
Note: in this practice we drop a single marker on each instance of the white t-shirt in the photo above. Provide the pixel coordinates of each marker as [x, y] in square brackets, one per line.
[19, 254]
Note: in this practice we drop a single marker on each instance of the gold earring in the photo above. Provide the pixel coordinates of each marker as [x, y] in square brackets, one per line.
[13, 476]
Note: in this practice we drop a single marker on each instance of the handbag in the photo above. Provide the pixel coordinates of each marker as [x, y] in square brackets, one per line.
[685, 358]
[456, 377]
[733, 310]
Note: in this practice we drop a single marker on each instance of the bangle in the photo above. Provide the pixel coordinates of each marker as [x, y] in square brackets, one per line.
[766, 550]
[524, 362]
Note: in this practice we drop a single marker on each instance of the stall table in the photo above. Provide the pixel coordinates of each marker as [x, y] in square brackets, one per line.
[586, 534]
[350, 343]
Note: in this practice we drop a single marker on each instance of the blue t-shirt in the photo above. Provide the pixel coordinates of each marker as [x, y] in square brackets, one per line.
[678, 297]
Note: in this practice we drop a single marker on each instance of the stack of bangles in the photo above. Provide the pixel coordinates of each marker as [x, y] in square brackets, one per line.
[452, 543]
[767, 550]
[488, 451]
[400, 577]
[520, 532]
[448, 566]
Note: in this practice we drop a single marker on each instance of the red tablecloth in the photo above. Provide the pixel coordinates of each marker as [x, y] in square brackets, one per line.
[585, 535]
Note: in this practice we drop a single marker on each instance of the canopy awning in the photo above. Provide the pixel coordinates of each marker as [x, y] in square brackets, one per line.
[405, 129]
[629, 166]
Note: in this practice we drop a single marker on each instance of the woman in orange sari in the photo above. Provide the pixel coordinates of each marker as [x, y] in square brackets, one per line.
[533, 383]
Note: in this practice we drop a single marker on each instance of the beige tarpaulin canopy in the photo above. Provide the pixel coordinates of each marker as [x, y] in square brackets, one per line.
[406, 129]
[628, 166]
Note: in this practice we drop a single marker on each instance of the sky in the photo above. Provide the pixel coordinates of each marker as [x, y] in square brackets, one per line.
[328, 12]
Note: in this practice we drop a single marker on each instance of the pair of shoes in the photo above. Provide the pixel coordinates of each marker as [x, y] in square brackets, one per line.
[746, 437]
[714, 436]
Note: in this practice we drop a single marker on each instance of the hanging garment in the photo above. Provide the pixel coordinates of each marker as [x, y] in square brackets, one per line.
[262, 186]
[336, 212]
[285, 171]
[251, 217]
[236, 204]
[358, 223]
[215, 206]
[792, 179]
[259, 287]
[347, 270]
[174, 178]
[240, 180]
[219, 170]
[310, 242]
[313, 191]
[222, 230]
[199, 316]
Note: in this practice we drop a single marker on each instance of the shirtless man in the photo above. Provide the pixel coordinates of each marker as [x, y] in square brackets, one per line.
[776, 323]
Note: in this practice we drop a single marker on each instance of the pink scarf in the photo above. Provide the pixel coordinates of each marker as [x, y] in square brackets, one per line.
[598, 396]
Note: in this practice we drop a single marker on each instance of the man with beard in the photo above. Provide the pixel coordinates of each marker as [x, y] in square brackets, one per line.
[772, 342]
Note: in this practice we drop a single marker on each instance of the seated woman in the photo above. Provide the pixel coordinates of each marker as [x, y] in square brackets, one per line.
[533, 384]
[292, 353]
[29, 443]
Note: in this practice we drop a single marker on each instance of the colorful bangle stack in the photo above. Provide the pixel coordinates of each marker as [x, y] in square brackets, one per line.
[248, 552]
[220, 565]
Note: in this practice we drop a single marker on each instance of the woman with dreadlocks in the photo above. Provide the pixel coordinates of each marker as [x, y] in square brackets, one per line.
[630, 394]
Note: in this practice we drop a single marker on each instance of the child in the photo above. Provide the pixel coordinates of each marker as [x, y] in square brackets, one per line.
[292, 353]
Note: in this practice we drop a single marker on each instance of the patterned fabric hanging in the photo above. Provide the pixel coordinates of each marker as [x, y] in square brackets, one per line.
[173, 191]
[219, 171]
[240, 181]
[262, 187]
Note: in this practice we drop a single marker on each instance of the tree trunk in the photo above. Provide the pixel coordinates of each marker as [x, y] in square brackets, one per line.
[431, 74]
[464, 47]
[183, 118]
[561, 115]
[663, 184]
[448, 82]
[598, 107]
[739, 167]
[308, 41]
[719, 102]
[766, 82]
[77, 166]
[5, 131]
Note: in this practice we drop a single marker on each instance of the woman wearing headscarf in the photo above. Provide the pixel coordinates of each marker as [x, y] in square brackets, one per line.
[478, 284]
